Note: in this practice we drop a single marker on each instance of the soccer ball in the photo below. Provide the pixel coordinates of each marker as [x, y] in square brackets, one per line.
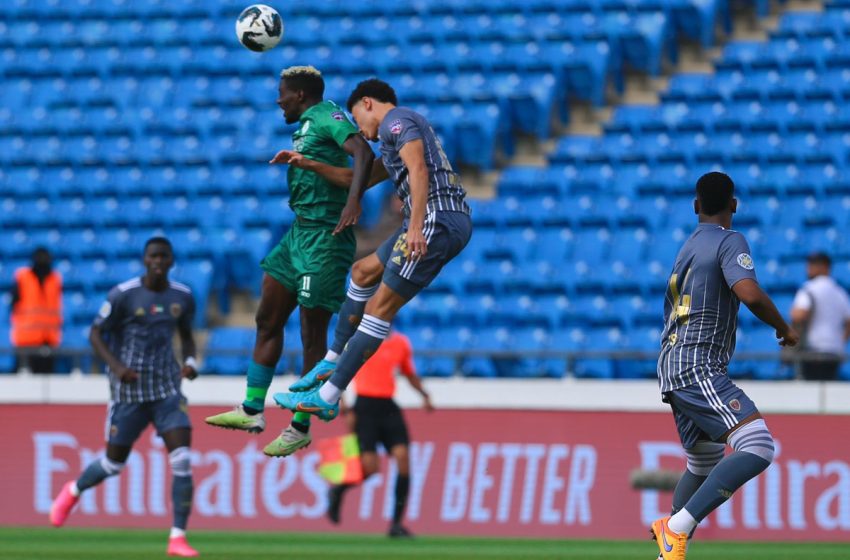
[259, 27]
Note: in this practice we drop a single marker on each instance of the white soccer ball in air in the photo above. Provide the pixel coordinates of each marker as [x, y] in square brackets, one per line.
[259, 27]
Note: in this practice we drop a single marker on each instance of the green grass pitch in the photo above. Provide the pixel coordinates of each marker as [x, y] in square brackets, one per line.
[130, 544]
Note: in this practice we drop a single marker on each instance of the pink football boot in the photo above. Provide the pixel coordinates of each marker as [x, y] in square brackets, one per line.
[178, 546]
[62, 505]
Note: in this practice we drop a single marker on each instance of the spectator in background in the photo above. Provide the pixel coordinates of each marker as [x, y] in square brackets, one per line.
[37, 313]
[821, 310]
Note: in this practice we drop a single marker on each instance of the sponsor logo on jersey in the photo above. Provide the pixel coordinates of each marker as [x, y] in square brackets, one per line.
[175, 310]
[745, 261]
[395, 126]
[397, 259]
[338, 115]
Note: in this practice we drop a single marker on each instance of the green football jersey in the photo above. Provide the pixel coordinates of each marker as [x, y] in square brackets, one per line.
[324, 129]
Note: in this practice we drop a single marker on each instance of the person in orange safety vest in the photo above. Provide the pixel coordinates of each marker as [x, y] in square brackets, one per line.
[37, 313]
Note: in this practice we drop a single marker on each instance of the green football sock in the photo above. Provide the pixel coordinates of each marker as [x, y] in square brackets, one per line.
[301, 418]
[259, 380]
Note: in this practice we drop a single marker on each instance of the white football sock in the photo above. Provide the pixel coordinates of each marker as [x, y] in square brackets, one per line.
[175, 532]
[331, 356]
[682, 522]
[75, 491]
[330, 393]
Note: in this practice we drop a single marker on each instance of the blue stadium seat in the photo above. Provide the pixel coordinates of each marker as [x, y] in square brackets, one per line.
[228, 350]
[7, 354]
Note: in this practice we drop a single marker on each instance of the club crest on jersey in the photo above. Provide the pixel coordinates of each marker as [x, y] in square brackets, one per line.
[395, 126]
[745, 261]
[735, 405]
[105, 310]
[175, 310]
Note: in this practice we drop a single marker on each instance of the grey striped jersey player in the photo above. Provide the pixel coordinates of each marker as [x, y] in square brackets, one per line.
[141, 324]
[701, 310]
[445, 193]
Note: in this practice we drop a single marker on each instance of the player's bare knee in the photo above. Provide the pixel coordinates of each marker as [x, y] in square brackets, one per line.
[117, 453]
[268, 322]
[754, 437]
[367, 271]
[180, 460]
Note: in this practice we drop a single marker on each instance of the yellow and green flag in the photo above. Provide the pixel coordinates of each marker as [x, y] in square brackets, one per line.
[340, 460]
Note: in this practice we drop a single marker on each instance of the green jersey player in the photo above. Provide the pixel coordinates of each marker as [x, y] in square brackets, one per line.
[308, 268]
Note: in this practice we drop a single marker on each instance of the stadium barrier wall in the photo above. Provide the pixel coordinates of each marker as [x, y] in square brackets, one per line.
[475, 472]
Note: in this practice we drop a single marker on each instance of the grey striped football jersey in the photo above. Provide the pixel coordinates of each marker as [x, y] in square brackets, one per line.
[139, 325]
[445, 193]
[700, 308]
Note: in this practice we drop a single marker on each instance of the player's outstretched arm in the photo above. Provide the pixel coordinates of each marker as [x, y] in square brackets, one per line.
[339, 176]
[751, 295]
[126, 374]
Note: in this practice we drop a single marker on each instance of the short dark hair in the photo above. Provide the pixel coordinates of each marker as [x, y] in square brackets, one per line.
[820, 257]
[715, 191]
[306, 79]
[158, 240]
[40, 251]
[374, 88]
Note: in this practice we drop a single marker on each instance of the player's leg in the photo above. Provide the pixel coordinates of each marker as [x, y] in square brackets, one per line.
[277, 303]
[124, 423]
[171, 419]
[314, 341]
[726, 415]
[365, 277]
[702, 455]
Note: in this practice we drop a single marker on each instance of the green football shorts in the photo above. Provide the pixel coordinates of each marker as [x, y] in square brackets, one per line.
[313, 263]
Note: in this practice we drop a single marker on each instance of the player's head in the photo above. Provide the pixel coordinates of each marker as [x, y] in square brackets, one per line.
[42, 262]
[369, 103]
[300, 88]
[715, 195]
[158, 257]
[819, 264]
